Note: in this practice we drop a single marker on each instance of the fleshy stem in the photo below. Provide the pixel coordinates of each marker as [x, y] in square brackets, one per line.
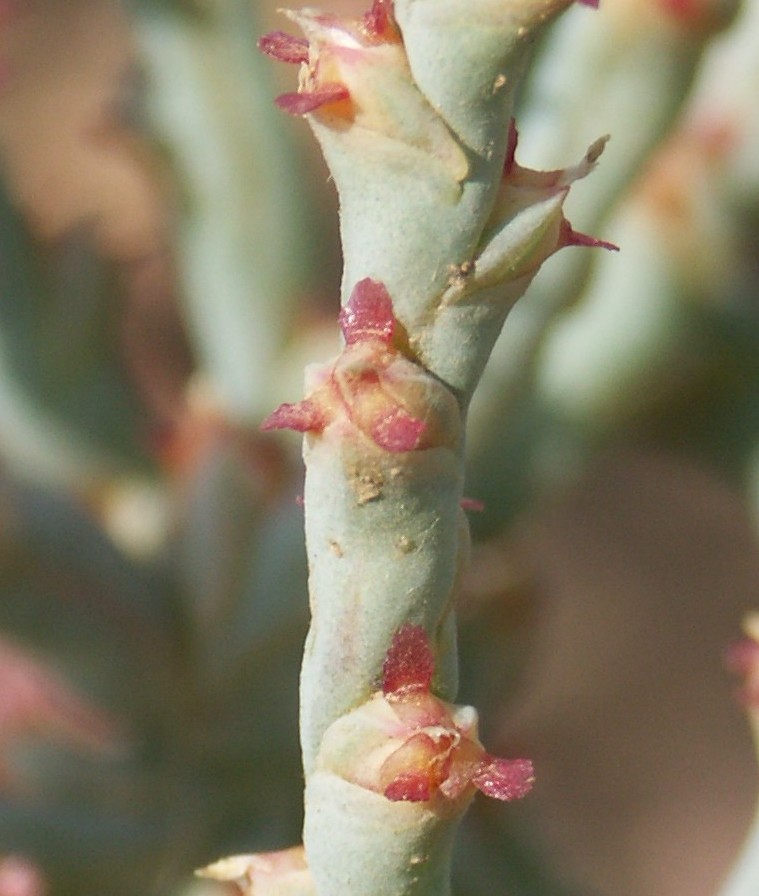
[442, 231]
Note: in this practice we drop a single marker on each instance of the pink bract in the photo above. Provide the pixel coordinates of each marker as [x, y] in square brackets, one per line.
[305, 416]
[334, 42]
[368, 314]
[311, 100]
[409, 663]
[284, 47]
[570, 237]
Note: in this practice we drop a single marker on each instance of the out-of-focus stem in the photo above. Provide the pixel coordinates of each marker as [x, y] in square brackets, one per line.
[241, 251]
[637, 61]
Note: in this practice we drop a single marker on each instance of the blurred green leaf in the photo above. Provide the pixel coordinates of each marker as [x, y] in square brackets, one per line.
[60, 350]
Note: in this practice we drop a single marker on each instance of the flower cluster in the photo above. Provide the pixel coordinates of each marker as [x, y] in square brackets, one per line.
[526, 225]
[372, 389]
[355, 72]
[409, 745]
[335, 50]
[342, 59]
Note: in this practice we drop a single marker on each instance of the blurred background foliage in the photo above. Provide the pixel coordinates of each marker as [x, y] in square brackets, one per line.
[169, 260]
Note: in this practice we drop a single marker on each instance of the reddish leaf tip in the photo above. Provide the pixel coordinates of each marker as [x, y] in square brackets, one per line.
[504, 779]
[368, 314]
[304, 416]
[570, 237]
[594, 4]
[284, 47]
[409, 664]
[309, 101]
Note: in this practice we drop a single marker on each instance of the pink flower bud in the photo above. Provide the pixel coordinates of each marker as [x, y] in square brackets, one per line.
[527, 223]
[333, 57]
[355, 72]
[411, 746]
[372, 390]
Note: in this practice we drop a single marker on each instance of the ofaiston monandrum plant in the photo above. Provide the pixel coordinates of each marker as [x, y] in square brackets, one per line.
[442, 231]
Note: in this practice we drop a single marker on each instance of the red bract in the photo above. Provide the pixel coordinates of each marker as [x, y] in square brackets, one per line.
[438, 750]
[368, 314]
[305, 416]
[371, 390]
[409, 664]
[310, 101]
[284, 47]
[570, 237]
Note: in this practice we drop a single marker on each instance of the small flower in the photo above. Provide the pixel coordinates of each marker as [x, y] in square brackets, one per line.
[372, 390]
[354, 72]
[440, 750]
[527, 224]
[409, 745]
[334, 53]
[523, 186]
